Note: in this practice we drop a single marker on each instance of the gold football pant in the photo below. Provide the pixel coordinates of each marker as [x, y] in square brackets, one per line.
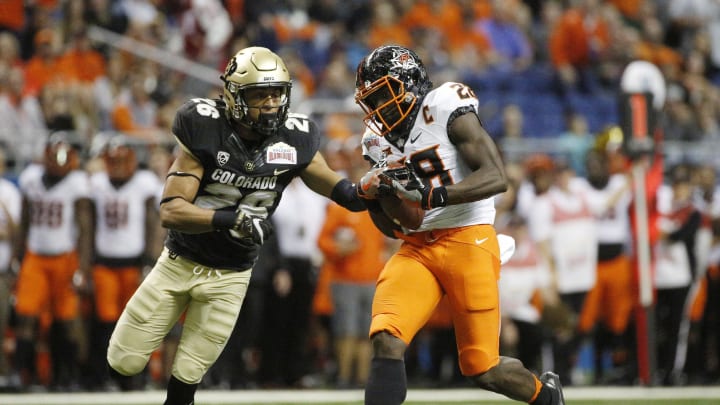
[211, 299]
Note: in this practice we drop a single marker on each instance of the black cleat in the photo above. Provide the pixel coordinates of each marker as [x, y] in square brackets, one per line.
[552, 380]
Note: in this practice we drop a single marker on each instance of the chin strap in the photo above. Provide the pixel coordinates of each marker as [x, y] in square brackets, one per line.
[267, 123]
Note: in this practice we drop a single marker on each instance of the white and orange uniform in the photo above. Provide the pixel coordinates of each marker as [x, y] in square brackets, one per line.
[454, 253]
[565, 218]
[11, 201]
[120, 238]
[522, 276]
[50, 258]
[611, 299]
[10, 209]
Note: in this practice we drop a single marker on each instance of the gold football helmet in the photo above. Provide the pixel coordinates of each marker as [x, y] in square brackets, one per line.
[250, 68]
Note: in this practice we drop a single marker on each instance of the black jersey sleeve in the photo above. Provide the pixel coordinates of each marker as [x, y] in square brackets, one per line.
[303, 134]
[182, 126]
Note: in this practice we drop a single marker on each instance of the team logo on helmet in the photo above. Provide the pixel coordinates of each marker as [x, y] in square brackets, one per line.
[223, 158]
[402, 60]
[231, 67]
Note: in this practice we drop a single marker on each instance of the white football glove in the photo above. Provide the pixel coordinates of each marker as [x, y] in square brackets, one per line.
[251, 227]
[407, 185]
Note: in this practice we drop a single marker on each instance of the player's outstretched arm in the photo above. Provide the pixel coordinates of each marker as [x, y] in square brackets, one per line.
[320, 178]
[480, 153]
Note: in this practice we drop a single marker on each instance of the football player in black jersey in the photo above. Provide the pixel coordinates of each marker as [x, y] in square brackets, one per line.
[237, 155]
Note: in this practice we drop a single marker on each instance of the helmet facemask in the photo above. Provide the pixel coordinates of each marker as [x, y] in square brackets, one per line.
[256, 68]
[386, 104]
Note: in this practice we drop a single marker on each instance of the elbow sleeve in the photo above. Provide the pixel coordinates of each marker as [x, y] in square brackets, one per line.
[344, 194]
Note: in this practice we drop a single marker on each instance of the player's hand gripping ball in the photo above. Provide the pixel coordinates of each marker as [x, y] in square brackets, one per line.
[404, 213]
[379, 184]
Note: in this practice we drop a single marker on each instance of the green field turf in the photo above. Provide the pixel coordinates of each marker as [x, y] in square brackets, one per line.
[502, 402]
[508, 402]
[707, 395]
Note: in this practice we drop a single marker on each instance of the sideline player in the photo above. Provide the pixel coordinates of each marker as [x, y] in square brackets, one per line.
[10, 206]
[238, 154]
[56, 227]
[126, 226]
[455, 252]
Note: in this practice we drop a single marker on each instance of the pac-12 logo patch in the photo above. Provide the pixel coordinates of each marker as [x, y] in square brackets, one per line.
[223, 158]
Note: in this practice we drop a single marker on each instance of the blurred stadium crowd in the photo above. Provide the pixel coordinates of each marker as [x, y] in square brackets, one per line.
[546, 73]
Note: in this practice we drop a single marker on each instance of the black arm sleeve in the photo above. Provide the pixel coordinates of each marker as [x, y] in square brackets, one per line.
[687, 230]
[344, 194]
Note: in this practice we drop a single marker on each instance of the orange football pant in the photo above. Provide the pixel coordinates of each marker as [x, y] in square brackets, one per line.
[460, 263]
[113, 288]
[611, 300]
[47, 280]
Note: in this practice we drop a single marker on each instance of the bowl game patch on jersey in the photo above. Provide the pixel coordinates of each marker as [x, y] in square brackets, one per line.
[281, 153]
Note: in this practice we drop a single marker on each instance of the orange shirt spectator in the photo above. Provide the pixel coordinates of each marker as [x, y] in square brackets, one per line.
[354, 251]
[286, 31]
[481, 9]
[353, 244]
[384, 28]
[86, 63]
[630, 9]
[443, 15]
[135, 112]
[652, 48]
[577, 38]
[446, 17]
[12, 15]
[658, 54]
[45, 66]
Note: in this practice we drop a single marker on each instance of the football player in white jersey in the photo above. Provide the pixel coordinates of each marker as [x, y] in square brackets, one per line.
[56, 227]
[609, 304]
[126, 225]
[562, 223]
[437, 135]
[10, 203]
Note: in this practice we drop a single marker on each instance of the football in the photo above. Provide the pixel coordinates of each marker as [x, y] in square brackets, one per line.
[403, 213]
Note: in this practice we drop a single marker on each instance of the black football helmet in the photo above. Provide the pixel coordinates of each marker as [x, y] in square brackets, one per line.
[120, 159]
[61, 155]
[391, 81]
[252, 68]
